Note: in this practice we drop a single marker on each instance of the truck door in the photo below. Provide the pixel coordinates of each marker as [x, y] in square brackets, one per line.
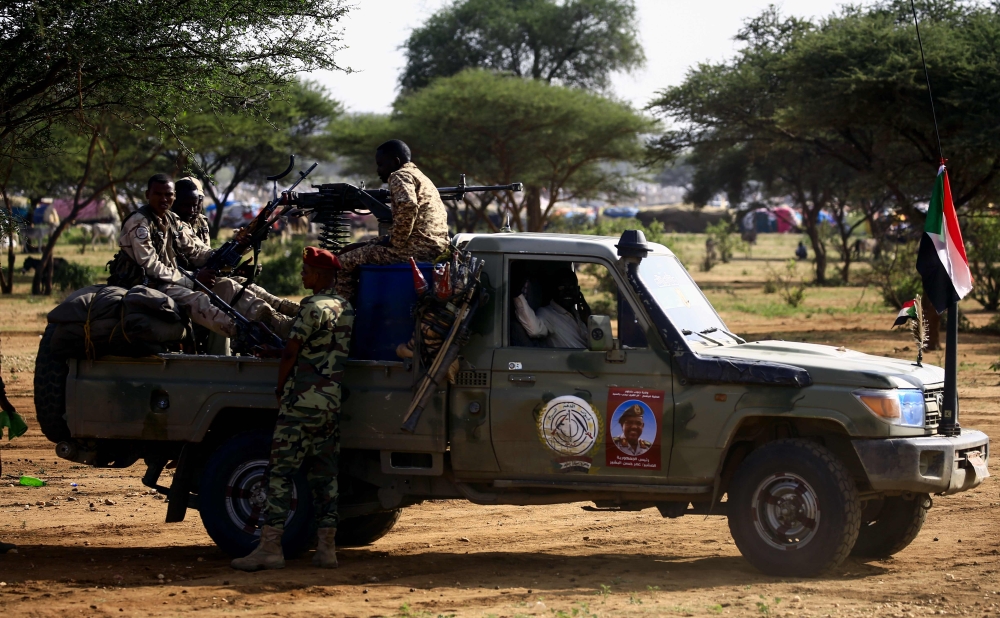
[567, 410]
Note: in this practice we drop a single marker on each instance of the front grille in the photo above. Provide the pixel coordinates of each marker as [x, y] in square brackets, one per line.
[933, 400]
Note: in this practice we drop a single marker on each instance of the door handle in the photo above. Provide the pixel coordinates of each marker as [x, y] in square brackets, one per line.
[521, 378]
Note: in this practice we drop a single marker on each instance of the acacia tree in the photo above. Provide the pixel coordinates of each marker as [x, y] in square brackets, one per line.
[562, 143]
[573, 42]
[252, 146]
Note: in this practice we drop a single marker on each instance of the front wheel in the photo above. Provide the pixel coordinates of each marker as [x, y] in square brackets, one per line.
[793, 509]
[231, 498]
[892, 525]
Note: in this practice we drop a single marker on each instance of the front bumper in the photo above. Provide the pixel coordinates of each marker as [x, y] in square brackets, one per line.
[925, 464]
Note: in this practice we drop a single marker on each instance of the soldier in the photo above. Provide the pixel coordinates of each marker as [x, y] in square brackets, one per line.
[419, 219]
[188, 206]
[16, 426]
[308, 426]
[151, 240]
[630, 441]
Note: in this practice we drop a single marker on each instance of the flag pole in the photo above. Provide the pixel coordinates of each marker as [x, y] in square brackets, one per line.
[948, 425]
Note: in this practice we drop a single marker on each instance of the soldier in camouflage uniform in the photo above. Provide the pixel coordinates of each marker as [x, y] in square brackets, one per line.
[151, 241]
[188, 207]
[419, 219]
[308, 427]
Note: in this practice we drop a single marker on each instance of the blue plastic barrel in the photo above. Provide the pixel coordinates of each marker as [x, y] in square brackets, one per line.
[383, 314]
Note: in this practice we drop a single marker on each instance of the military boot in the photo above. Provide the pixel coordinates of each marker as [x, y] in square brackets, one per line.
[281, 324]
[289, 308]
[267, 555]
[326, 549]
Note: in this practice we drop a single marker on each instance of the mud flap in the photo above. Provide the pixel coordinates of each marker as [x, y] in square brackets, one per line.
[179, 497]
[978, 465]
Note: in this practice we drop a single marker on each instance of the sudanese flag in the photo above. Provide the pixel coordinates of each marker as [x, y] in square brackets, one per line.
[907, 313]
[941, 261]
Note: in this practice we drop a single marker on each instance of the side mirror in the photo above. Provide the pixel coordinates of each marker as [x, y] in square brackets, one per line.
[599, 333]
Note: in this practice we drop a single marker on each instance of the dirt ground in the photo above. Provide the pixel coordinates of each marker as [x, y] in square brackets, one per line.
[93, 542]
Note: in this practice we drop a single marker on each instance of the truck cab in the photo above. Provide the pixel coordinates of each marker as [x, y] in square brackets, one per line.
[812, 452]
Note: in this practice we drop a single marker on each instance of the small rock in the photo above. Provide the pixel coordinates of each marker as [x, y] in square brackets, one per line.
[200, 559]
[464, 539]
[71, 499]
[27, 507]
[411, 590]
[366, 600]
[949, 577]
[539, 606]
[160, 576]
[586, 538]
[796, 599]
[365, 591]
[373, 579]
[935, 538]
[86, 542]
[157, 497]
[39, 503]
[109, 502]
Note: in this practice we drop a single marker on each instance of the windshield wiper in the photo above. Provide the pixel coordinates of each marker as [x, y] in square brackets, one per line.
[703, 336]
[713, 329]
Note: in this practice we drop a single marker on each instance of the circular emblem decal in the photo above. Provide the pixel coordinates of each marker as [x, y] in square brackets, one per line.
[569, 426]
[141, 233]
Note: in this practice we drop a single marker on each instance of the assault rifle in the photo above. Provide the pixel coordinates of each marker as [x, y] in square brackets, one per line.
[228, 256]
[250, 334]
[330, 203]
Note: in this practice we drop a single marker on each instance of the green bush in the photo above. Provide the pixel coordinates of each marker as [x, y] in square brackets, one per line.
[791, 288]
[281, 274]
[982, 241]
[895, 274]
[74, 276]
[727, 241]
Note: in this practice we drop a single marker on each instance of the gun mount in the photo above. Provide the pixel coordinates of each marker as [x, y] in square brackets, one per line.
[331, 203]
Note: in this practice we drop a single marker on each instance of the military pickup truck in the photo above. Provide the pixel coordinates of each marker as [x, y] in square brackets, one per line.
[813, 452]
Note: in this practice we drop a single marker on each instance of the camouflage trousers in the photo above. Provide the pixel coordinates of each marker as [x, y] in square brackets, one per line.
[347, 278]
[309, 438]
[199, 306]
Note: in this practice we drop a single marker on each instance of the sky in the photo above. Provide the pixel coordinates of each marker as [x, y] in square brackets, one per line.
[676, 34]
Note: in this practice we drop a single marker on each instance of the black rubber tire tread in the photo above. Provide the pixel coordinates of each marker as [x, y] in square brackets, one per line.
[367, 529]
[805, 458]
[897, 524]
[212, 497]
[50, 390]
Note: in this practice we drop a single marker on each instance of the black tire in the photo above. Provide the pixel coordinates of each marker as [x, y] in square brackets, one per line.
[894, 526]
[231, 494]
[367, 529]
[50, 390]
[793, 509]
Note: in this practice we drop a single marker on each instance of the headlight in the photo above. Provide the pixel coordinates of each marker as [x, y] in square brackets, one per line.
[903, 406]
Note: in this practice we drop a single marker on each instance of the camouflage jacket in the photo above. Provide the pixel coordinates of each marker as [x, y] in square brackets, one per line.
[323, 326]
[419, 217]
[158, 257]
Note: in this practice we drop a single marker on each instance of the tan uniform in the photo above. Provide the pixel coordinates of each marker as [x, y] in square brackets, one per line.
[175, 237]
[419, 228]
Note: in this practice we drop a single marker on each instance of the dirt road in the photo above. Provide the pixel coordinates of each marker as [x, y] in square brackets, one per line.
[99, 547]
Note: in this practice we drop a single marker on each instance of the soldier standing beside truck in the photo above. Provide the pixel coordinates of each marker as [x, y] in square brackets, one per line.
[419, 219]
[308, 427]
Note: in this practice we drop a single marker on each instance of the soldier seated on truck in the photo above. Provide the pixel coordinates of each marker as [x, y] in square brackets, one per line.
[150, 242]
[419, 219]
[561, 322]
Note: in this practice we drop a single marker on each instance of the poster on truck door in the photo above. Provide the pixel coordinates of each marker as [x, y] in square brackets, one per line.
[633, 431]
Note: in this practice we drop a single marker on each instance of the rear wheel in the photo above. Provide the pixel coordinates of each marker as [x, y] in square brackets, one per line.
[793, 509]
[232, 492]
[50, 390]
[892, 525]
[366, 529]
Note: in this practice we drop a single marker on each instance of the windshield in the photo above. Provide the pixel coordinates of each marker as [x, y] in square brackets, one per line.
[681, 299]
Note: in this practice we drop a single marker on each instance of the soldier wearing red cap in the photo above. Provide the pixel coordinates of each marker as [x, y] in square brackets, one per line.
[308, 427]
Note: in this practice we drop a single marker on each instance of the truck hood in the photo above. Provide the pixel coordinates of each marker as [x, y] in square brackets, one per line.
[839, 366]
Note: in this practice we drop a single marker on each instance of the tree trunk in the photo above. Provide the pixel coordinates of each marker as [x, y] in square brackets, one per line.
[9, 283]
[533, 202]
[819, 250]
[933, 324]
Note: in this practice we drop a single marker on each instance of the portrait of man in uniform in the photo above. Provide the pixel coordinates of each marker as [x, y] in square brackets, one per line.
[632, 424]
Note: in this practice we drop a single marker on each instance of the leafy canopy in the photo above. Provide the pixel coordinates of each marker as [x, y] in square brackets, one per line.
[562, 143]
[572, 42]
[148, 59]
